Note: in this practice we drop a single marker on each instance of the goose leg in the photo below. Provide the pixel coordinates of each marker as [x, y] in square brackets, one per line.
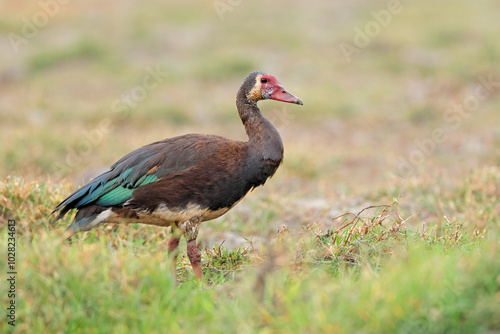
[173, 249]
[195, 258]
[173, 243]
[190, 231]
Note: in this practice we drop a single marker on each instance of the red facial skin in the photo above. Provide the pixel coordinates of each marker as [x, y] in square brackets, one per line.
[272, 89]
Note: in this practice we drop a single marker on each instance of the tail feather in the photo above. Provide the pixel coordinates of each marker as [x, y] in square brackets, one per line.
[80, 225]
[81, 197]
[88, 217]
[61, 214]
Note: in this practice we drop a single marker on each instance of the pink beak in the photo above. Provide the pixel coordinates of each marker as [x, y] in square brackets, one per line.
[281, 94]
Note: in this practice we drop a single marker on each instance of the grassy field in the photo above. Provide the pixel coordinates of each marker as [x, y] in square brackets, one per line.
[384, 217]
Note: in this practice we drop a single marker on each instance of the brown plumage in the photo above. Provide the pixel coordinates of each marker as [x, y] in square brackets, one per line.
[185, 180]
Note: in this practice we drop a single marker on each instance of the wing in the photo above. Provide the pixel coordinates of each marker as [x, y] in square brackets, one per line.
[143, 166]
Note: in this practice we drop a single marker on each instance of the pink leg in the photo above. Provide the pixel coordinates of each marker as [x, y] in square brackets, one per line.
[195, 258]
[173, 243]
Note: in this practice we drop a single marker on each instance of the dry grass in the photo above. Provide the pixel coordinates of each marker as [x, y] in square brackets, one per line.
[426, 262]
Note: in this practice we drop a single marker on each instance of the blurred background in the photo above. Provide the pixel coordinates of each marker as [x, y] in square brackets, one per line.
[400, 98]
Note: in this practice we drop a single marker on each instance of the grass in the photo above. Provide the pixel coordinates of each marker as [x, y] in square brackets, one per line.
[83, 50]
[414, 253]
[368, 271]
[65, 80]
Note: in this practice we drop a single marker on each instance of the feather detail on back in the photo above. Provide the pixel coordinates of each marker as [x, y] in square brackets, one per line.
[145, 165]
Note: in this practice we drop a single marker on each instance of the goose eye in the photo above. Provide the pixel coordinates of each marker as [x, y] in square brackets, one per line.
[263, 80]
